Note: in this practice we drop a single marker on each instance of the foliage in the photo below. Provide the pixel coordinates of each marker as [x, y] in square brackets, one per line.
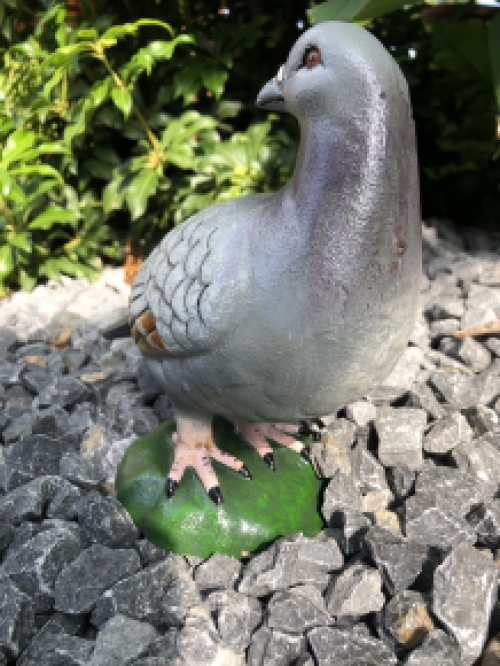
[455, 88]
[129, 156]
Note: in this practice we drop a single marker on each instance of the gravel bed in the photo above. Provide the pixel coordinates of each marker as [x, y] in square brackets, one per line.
[405, 572]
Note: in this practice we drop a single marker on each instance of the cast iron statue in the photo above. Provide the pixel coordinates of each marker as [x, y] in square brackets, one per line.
[273, 308]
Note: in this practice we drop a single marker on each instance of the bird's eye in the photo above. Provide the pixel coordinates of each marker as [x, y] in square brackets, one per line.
[312, 57]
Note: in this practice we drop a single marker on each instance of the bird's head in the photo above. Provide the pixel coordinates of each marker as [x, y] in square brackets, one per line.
[331, 69]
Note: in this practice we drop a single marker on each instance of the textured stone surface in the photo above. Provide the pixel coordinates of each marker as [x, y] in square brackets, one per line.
[400, 437]
[465, 587]
[337, 647]
[35, 566]
[437, 648]
[28, 502]
[160, 594]
[82, 472]
[274, 648]
[399, 560]
[17, 619]
[81, 583]
[356, 591]
[447, 433]
[57, 648]
[236, 617]
[481, 460]
[104, 520]
[218, 572]
[297, 610]
[406, 619]
[121, 641]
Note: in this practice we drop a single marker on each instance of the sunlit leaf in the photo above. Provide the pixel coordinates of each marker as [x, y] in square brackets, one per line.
[123, 100]
[51, 216]
[139, 190]
[6, 261]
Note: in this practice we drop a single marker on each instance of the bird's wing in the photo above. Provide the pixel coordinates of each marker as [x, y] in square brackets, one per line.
[182, 299]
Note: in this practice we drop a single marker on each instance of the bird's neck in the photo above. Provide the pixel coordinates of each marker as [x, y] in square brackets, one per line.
[338, 174]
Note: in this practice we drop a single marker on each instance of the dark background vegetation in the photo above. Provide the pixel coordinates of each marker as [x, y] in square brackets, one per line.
[113, 131]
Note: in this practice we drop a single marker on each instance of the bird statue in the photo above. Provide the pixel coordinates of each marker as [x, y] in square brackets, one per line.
[280, 307]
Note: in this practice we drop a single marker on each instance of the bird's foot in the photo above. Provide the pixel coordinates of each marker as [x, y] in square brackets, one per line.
[194, 446]
[257, 434]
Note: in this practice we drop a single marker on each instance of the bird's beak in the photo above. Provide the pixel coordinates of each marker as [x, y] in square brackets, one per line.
[271, 97]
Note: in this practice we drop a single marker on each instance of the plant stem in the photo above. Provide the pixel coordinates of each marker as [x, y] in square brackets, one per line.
[119, 83]
[7, 212]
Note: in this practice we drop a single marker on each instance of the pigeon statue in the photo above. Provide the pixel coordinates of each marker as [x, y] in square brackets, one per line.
[275, 308]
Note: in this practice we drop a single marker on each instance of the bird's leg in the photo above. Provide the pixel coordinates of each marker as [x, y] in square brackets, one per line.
[194, 446]
[257, 434]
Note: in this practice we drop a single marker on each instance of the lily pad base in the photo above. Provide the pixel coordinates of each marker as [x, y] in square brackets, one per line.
[254, 513]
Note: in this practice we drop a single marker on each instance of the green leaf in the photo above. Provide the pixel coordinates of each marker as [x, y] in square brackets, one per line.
[215, 80]
[123, 100]
[37, 170]
[51, 216]
[18, 141]
[88, 33]
[139, 190]
[22, 241]
[494, 51]
[6, 261]
[113, 195]
[99, 92]
[356, 10]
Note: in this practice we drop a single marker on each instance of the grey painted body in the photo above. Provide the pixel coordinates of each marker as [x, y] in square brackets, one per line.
[289, 305]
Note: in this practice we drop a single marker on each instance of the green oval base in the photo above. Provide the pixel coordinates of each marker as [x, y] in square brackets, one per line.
[254, 513]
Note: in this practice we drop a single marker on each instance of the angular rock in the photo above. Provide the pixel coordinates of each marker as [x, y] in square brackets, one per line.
[34, 567]
[37, 380]
[401, 482]
[104, 520]
[17, 619]
[465, 588]
[121, 641]
[28, 502]
[340, 493]
[236, 617]
[405, 620]
[398, 560]
[421, 396]
[330, 455]
[400, 437]
[474, 354]
[485, 520]
[482, 419]
[443, 328]
[52, 422]
[65, 392]
[455, 490]
[274, 648]
[219, 572]
[37, 453]
[83, 472]
[429, 523]
[18, 427]
[459, 390]
[149, 553]
[493, 344]
[447, 433]
[481, 459]
[361, 412]
[289, 562]
[436, 648]
[355, 592]
[338, 647]
[61, 505]
[49, 648]
[96, 569]
[161, 594]
[11, 478]
[367, 472]
[298, 609]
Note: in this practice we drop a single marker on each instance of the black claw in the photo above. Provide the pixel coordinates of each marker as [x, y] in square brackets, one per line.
[215, 495]
[269, 460]
[306, 454]
[171, 487]
[312, 429]
[244, 471]
[304, 428]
